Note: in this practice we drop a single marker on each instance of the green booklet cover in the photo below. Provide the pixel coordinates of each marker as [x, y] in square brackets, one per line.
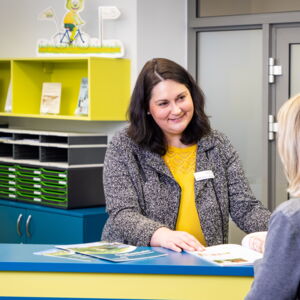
[116, 252]
[64, 254]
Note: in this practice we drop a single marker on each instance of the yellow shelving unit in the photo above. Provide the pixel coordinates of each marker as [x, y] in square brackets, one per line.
[108, 86]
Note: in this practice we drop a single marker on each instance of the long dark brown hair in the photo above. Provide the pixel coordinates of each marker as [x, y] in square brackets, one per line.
[143, 129]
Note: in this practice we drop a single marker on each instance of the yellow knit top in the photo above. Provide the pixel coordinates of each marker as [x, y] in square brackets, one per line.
[182, 164]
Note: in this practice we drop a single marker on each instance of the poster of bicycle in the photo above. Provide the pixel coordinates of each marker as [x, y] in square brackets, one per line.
[70, 39]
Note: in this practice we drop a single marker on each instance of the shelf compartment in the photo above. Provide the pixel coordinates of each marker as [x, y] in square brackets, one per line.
[35, 184]
[80, 139]
[54, 180]
[5, 77]
[6, 135]
[54, 187]
[54, 173]
[108, 86]
[25, 152]
[73, 156]
[8, 168]
[54, 194]
[54, 139]
[7, 175]
[54, 154]
[53, 201]
[30, 75]
[59, 187]
[29, 190]
[25, 136]
[28, 197]
[7, 189]
[69, 148]
[28, 171]
[6, 150]
[7, 181]
[8, 195]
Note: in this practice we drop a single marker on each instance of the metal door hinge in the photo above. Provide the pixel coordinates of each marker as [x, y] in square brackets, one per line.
[274, 70]
[273, 128]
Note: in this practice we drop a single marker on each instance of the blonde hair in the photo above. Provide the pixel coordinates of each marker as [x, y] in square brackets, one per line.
[289, 142]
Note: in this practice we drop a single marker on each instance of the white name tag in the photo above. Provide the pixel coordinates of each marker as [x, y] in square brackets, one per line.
[204, 175]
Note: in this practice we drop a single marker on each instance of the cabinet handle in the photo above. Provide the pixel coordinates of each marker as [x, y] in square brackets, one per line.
[18, 224]
[27, 226]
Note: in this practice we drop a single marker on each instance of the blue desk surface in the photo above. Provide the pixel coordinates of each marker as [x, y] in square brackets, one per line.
[20, 257]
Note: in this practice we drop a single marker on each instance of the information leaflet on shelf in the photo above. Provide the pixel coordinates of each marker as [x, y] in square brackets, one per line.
[8, 102]
[50, 102]
[115, 252]
[228, 255]
[83, 99]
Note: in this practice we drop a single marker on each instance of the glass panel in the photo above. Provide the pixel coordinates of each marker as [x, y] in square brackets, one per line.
[230, 75]
[209, 8]
[295, 70]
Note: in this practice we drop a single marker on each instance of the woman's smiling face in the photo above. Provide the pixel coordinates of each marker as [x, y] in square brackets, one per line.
[171, 107]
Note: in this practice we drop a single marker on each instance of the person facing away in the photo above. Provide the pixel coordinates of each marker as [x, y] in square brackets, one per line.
[277, 274]
[169, 179]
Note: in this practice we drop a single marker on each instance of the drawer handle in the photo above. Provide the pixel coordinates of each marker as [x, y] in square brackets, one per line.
[27, 226]
[18, 224]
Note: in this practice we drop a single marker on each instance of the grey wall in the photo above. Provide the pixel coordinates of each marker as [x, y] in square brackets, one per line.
[147, 29]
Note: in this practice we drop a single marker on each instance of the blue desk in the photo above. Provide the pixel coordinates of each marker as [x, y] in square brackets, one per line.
[176, 276]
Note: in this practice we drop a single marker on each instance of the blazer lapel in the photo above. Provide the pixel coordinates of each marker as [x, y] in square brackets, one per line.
[202, 164]
[156, 162]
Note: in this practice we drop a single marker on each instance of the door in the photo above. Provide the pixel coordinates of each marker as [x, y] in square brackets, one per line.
[12, 224]
[53, 228]
[229, 72]
[286, 51]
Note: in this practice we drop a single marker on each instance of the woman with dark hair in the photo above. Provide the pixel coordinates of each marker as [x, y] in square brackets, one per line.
[169, 179]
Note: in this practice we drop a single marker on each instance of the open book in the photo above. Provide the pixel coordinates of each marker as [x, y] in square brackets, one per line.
[228, 255]
[115, 252]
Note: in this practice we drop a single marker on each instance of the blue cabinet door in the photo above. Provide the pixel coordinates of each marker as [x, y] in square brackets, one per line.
[12, 221]
[35, 224]
[48, 228]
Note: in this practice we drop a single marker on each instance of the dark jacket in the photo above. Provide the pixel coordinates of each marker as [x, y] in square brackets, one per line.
[142, 195]
[277, 274]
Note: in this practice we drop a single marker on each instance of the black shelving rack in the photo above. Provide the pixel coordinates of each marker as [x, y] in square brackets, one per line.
[58, 169]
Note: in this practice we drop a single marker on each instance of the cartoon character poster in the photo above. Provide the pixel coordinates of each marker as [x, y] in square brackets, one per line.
[72, 19]
[70, 39]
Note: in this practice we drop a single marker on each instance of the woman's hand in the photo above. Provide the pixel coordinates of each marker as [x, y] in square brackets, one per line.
[255, 241]
[175, 240]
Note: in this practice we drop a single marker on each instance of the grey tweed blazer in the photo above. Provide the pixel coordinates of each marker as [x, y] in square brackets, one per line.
[142, 195]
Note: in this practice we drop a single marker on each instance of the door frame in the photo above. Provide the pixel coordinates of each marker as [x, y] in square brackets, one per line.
[268, 23]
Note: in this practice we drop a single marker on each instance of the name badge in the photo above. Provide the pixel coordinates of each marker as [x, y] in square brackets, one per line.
[204, 175]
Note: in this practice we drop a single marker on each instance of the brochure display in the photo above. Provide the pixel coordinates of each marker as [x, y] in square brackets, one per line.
[115, 252]
[108, 87]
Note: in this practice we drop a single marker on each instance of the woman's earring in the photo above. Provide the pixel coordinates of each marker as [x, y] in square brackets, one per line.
[148, 113]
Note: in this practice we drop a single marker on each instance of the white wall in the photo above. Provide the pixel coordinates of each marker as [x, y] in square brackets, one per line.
[147, 28]
[162, 30]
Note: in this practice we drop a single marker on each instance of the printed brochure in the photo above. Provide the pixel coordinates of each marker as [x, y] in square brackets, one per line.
[228, 255]
[50, 102]
[115, 252]
[64, 254]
